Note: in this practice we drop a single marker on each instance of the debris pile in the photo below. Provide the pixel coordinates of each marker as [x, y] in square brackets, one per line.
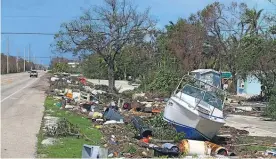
[131, 127]
[243, 107]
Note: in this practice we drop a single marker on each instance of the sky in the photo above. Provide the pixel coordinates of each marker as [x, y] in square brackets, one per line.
[46, 16]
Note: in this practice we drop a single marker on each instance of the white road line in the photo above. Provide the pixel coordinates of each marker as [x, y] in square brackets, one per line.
[18, 91]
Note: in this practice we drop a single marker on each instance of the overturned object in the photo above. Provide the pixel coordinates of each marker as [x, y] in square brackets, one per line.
[144, 130]
[89, 151]
[111, 114]
[191, 147]
[196, 109]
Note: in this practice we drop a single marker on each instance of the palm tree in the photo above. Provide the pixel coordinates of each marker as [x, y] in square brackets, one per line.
[251, 18]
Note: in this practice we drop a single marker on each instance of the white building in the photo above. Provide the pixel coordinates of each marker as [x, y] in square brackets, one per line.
[73, 64]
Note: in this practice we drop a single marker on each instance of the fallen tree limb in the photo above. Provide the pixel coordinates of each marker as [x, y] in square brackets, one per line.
[88, 139]
[162, 141]
[249, 144]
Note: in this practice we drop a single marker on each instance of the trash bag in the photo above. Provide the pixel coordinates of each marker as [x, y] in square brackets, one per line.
[158, 151]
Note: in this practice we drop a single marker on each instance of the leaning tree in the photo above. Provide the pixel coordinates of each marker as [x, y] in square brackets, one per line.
[105, 30]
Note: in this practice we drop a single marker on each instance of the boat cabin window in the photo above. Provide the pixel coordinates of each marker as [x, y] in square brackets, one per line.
[213, 100]
[206, 96]
[193, 91]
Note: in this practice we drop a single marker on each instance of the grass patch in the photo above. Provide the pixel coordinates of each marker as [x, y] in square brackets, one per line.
[255, 148]
[66, 147]
[263, 144]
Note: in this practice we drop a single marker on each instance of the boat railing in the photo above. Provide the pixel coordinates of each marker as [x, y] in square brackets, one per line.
[199, 98]
[210, 112]
[184, 101]
[197, 105]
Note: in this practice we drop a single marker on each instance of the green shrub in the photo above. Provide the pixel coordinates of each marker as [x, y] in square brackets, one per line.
[163, 81]
[163, 130]
[128, 94]
[271, 109]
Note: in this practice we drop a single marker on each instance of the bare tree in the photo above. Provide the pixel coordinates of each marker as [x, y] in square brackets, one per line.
[186, 42]
[105, 30]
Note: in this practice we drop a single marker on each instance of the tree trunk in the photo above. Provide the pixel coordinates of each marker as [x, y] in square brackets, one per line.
[111, 80]
[233, 88]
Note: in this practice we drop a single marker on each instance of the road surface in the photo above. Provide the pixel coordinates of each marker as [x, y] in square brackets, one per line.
[22, 108]
[256, 126]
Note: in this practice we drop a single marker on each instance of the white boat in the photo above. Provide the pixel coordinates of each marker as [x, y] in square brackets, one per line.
[196, 108]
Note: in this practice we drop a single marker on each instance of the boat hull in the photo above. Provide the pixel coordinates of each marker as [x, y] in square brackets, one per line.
[187, 119]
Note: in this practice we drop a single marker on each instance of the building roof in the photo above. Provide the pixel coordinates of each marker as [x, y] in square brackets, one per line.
[226, 75]
[203, 71]
[73, 63]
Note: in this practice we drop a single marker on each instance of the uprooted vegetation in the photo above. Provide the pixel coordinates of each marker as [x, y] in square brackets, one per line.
[163, 130]
[69, 130]
[85, 121]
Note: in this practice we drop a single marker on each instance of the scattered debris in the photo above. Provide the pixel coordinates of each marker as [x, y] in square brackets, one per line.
[93, 152]
[63, 128]
[111, 114]
[270, 152]
[69, 107]
[50, 122]
[133, 126]
[48, 141]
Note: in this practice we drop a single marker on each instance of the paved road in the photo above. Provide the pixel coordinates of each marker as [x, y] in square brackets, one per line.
[255, 125]
[22, 108]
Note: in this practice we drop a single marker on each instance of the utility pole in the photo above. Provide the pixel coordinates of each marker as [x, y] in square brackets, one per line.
[34, 62]
[17, 70]
[29, 56]
[8, 55]
[24, 60]
[50, 62]
[29, 53]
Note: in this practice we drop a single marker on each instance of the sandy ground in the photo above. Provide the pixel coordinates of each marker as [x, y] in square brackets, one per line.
[22, 100]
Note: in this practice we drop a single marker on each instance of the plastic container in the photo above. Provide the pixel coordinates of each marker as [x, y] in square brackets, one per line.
[58, 104]
[111, 114]
[144, 130]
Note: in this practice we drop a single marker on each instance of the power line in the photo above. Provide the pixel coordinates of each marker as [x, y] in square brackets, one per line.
[33, 16]
[43, 57]
[41, 33]
[26, 33]
[27, 17]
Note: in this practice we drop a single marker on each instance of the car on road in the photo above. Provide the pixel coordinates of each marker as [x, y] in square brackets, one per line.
[33, 73]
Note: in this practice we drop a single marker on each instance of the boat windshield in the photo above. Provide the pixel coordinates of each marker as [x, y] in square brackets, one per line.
[204, 95]
[193, 91]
